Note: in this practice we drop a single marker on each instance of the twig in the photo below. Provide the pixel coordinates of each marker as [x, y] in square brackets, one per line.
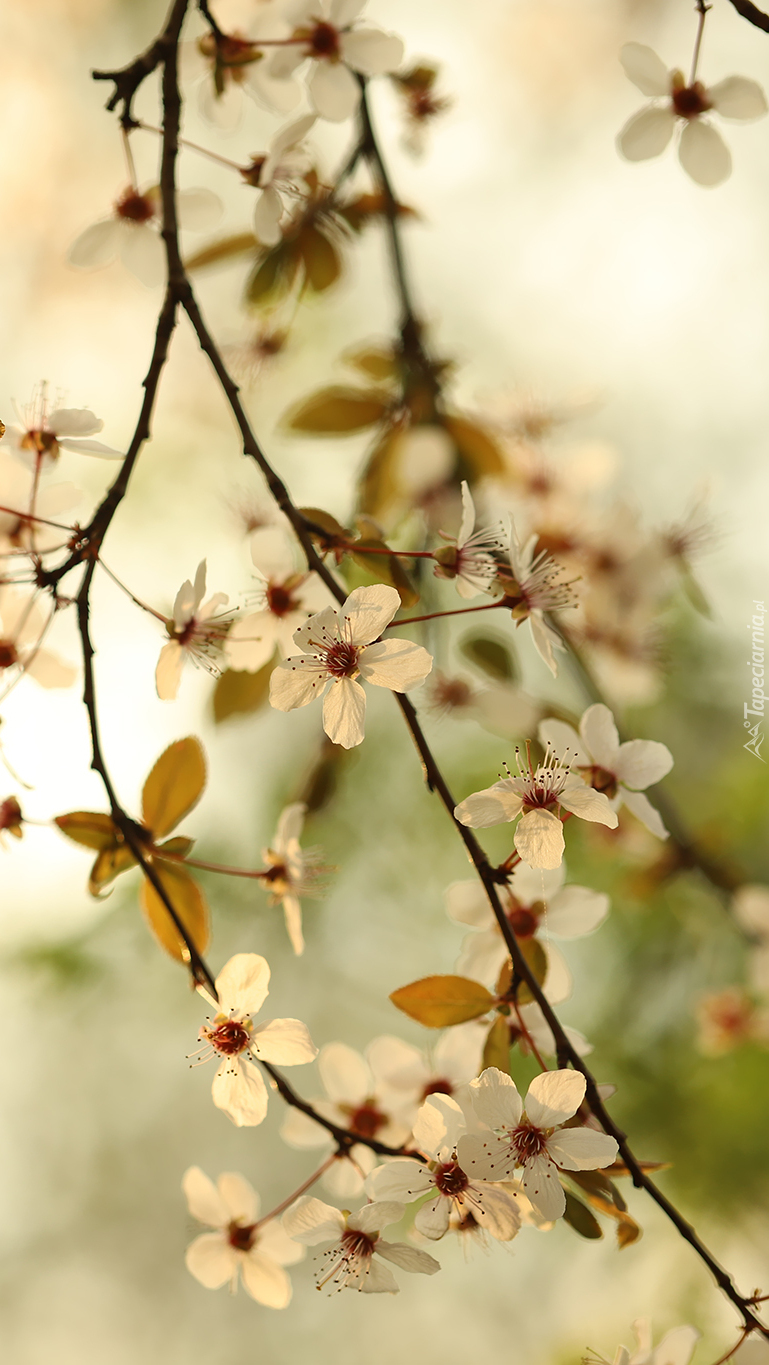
[752, 13]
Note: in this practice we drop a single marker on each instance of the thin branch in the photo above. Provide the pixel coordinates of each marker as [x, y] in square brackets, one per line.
[344, 1137]
[752, 13]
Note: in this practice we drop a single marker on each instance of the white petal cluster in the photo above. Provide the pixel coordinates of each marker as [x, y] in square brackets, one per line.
[536, 795]
[471, 564]
[239, 1245]
[537, 586]
[22, 629]
[356, 1239]
[676, 1347]
[285, 599]
[197, 629]
[132, 232]
[701, 149]
[530, 1135]
[326, 33]
[621, 771]
[286, 870]
[279, 178]
[42, 433]
[338, 649]
[242, 987]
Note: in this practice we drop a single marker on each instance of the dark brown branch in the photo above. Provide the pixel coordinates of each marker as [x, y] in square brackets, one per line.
[752, 13]
[344, 1137]
[129, 78]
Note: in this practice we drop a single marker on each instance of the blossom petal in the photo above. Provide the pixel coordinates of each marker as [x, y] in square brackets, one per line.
[599, 736]
[539, 839]
[545, 640]
[641, 807]
[703, 154]
[199, 210]
[292, 912]
[494, 806]
[645, 69]
[344, 712]
[345, 1074]
[554, 1096]
[142, 253]
[408, 1258]
[541, 1185]
[495, 1099]
[467, 903]
[211, 1259]
[299, 1130]
[495, 1210]
[74, 422]
[432, 1219]
[402, 1179]
[371, 51]
[203, 1199]
[344, 1180]
[467, 524]
[92, 448]
[377, 1279]
[530, 884]
[168, 673]
[397, 664]
[239, 1197]
[677, 1346]
[296, 682]
[274, 1241]
[641, 763]
[285, 1042]
[587, 804]
[560, 737]
[334, 91]
[576, 910]
[738, 98]
[243, 984]
[438, 1127]
[482, 956]
[250, 642]
[750, 907]
[374, 1217]
[646, 134]
[49, 670]
[265, 1281]
[321, 629]
[581, 1149]
[239, 1090]
[97, 245]
[311, 1221]
[267, 215]
[397, 1065]
[343, 12]
[368, 610]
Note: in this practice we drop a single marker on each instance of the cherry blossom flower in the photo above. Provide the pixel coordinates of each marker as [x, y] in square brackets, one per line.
[356, 1238]
[536, 795]
[239, 1245]
[537, 586]
[530, 1030]
[537, 904]
[238, 1088]
[132, 232]
[11, 819]
[43, 433]
[234, 65]
[676, 1347]
[22, 627]
[30, 506]
[405, 1075]
[531, 1135]
[729, 1018]
[197, 632]
[339, 649]
[277, 176]
[289, 872]
[326, 33]
[439, 1125]
[701, 150]
[621, 771]
[356, 1101]
[470, 561]
[285, 599]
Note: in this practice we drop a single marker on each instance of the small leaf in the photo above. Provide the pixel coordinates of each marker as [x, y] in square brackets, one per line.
[336, 411]
[439, 1001]
[179, 846]
[579, 1217]
[189, 903]
[597, 1182]
[174, 786]
[333, 528]
[492, 655]
[273, 274]
[90, 828]
[496, 1049]
[239, 693]
[480, 454]
[322, 262]
[379, 481]
[628, 1231]
[385, 569]
[226, 249]
[377, 364]
[536, 958]
[109, 864]
[364, 208]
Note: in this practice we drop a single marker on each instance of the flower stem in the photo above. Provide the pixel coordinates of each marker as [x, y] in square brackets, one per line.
[702, 10]
[433, 615]
[305, 1185]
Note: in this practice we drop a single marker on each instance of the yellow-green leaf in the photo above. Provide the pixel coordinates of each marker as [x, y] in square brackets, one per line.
[109, 864]
[480, 454]
[439, 1001]
[336, 411]
[536, 959]
[579, 1217]
[322, 263]
[242, 244]
[379, 481]
[90, 828]
[273, 274]
[334, 530]
[174, 786]
[496, 1049]
[377, 364]
[492, 655]
[240, 693]
[189, 903]
[179, 846]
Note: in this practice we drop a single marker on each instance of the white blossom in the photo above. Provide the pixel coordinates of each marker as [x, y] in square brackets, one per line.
[621, 771]
[285, 599]
[22, 628]
[232, 65]
[239, 1245]
[536, 795]
[530, 1135]
[289, 874]
[339, 649]
[242, 987]
[470, 561]
[355, 1240]
[326, 33]
[438, 1128]
[701, 149]
[132, 232]
[537, 586]
[30, 506]
[43, 433]
[197, 630]
[675, 1348]
[405, 1075]
[277, 176]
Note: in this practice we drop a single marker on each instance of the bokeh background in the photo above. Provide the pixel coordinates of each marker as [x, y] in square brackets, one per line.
[543, 264]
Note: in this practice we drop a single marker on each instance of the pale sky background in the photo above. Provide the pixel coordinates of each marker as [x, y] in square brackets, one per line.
[543, 262]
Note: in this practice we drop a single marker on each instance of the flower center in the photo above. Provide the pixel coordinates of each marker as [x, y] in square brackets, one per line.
[8, 654]
[450, 1179]
[524, 920]
[366, 1120]
[357, 1245]
[528, 1141]
[41, 442]
[689, 101]
[600, 779]
[134, 207]
[324, 41]
[342, 659]
[241, 1236]
[279, 600]
[439, 1086]
[228, 1036]
[10, 816]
